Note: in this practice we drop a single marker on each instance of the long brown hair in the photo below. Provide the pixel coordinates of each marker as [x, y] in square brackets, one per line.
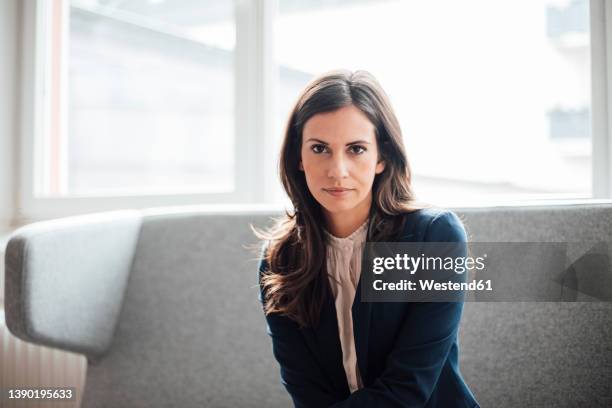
[295, 283]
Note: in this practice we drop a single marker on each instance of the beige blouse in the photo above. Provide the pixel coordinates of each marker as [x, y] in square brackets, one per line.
[344, 268]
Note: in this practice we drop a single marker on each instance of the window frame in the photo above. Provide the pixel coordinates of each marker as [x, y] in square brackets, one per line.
[255, 98]
[601, 97]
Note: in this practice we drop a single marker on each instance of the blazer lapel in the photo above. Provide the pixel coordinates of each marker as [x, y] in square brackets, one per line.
[324, 340]
[362, 312]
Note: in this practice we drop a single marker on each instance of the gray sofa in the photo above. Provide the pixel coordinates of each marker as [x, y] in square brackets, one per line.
[164, 305]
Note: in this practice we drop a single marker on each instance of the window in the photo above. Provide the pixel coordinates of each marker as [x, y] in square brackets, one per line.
[493, 96]
[155, 102]
[149, 99]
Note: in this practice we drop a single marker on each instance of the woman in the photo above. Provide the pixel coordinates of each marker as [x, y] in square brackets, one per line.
[344, 167]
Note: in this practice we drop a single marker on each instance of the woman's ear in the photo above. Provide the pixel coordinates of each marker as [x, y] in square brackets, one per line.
[301, 166]
[380, 166]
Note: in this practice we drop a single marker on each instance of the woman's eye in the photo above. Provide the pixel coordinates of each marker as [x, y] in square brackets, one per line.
[318, 148]
[356, 149]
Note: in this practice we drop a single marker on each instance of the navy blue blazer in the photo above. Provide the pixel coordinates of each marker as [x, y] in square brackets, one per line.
[407, 352]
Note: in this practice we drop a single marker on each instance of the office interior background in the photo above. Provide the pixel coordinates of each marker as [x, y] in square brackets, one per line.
[113, 104]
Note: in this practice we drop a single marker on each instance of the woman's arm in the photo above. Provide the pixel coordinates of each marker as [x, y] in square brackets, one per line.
[423, 343]
[301, 376]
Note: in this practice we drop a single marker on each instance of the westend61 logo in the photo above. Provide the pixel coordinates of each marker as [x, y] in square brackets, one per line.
[422, 262]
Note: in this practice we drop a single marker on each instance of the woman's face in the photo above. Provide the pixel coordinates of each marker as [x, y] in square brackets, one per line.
[340, 159]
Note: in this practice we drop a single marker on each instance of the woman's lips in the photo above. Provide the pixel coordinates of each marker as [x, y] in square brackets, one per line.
[338, 192]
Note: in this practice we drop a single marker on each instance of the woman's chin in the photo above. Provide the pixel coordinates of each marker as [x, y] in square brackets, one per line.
[338, 207]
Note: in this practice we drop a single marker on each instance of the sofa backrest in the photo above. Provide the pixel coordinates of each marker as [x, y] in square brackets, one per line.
[541, 353]
[191, 331]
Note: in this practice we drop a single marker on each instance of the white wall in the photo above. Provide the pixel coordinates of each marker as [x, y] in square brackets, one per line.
[9, 103]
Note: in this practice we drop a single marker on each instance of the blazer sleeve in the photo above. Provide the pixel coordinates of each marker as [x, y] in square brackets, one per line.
[423, 343]
[301, 376]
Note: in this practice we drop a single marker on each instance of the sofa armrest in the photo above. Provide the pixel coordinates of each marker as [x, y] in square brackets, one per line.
[65, 280]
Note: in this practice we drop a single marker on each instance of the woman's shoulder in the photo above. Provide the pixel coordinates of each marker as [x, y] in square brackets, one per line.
[432, 224]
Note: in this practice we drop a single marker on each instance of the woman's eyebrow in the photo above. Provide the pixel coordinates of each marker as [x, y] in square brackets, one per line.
[313, 139]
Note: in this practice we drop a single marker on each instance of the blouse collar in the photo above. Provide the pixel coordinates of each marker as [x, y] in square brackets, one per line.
[356, 238]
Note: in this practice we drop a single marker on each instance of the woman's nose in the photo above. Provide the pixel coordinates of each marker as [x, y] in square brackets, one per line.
[338, 168]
